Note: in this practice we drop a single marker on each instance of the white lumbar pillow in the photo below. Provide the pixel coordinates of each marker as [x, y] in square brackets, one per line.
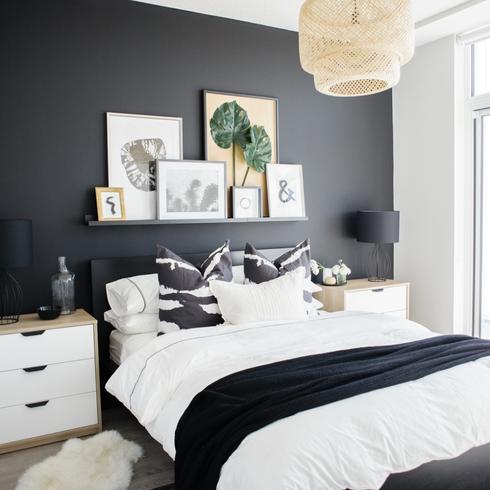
[279, 299]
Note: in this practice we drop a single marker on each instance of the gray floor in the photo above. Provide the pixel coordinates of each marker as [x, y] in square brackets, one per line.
[154, 470]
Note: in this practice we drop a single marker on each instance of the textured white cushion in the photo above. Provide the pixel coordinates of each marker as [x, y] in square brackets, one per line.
[238, 274]
[279, 299]
[133, 324]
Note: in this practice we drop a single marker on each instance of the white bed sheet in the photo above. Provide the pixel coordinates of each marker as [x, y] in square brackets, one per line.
[121, 345]
[354, 443]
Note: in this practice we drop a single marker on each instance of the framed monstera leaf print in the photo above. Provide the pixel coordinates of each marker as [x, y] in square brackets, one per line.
[134, 144]
[242, 130]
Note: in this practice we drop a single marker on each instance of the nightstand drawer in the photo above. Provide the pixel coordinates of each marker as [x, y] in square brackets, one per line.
[46, 382]
[57, 415]
[377, 300]
[20, 350]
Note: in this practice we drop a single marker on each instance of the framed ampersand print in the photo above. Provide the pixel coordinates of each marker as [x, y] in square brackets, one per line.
[285, 187]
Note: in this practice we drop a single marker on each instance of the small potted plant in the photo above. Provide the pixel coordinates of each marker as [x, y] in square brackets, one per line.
[340, 271]
[319, 272]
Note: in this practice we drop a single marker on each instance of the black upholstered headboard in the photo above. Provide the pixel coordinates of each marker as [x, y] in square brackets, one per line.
[108, 270]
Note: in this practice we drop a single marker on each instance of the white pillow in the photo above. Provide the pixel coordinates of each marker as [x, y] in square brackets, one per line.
[133, 324]
[132, 295]
[279, 299]
[238, 274]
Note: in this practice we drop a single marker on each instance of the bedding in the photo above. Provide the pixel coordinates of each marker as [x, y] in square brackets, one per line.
[223, 414]
[121, 345]
[185, 298]
[259, 269]
[133, 324]
[389, 430]
[279, 299]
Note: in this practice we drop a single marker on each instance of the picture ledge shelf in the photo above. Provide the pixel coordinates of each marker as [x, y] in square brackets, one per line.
[148, 222]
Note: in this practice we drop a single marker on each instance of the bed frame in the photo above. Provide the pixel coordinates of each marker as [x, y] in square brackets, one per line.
[470, 471]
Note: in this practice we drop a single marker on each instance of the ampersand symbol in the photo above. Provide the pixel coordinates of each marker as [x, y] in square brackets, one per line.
[112, 204]
[285, 194]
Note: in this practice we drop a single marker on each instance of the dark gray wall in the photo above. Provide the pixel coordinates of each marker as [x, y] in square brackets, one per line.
[64, 64]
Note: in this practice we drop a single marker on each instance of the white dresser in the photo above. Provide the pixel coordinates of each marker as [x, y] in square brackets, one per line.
[388, 297]
[49, 380]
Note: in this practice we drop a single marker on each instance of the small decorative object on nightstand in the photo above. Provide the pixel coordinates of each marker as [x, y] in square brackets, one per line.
[49, 379]
[63, 288]
[380, 228]
[392, 298]
[340, 271]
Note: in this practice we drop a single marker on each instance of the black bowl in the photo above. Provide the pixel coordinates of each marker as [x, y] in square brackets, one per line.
[48, 312]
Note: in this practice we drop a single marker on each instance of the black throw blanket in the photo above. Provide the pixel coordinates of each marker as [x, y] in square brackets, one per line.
[221, 416]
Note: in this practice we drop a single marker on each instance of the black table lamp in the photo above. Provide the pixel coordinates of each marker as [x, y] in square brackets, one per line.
[15, 252]
[380, 228]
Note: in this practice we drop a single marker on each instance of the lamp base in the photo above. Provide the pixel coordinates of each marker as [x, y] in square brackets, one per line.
[10, 298]
[376, 279]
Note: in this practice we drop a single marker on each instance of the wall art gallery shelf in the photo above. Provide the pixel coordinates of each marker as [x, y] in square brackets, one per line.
[192, 221]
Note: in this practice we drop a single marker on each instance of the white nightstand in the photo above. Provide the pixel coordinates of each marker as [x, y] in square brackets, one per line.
[389, 297]
[49, 380]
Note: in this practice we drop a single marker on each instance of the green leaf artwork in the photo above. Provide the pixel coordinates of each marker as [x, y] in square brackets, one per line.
[258, 152]
[230, 125]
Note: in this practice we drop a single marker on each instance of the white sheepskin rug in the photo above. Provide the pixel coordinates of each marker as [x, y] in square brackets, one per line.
[101, 462]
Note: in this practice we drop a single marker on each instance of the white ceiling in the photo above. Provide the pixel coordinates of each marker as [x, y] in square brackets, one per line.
[434, 18]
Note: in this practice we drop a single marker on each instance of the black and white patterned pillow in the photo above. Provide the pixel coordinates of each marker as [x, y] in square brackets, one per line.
[260, 269]
[185, 298]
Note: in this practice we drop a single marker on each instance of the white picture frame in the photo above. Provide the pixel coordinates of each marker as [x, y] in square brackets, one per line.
[285, 190]
[191, 190]
[134, 142]
[247, 202]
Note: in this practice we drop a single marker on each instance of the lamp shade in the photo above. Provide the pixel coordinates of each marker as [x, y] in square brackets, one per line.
[354, 47]
[378, 226]
[15, 243]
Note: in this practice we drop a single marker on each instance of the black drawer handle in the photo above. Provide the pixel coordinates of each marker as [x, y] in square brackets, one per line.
[37, 404]
[379, 290]
[31, 334]
[35, 368]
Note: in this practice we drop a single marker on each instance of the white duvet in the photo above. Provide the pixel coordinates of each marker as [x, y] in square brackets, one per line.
[354, 443]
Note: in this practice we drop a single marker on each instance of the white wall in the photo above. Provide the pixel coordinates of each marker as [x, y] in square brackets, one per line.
[425, 156]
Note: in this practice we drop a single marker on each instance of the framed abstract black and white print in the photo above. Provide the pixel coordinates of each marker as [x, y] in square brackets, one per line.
[110, 204]
[247, 202]
[191, 189]
[134, 143]
[285, 191]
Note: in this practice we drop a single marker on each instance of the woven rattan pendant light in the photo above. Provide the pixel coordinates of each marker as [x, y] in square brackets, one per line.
[355, 47]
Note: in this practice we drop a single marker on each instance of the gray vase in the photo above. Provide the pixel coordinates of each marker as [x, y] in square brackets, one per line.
[63, 288]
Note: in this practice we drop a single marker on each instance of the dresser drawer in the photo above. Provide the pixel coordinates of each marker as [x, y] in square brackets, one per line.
[60, 414]
[377, 300]
[47, 347]
[18, 387]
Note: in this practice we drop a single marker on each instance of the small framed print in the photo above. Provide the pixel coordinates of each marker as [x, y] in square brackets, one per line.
[110, 203]
[189, 189]
[247, 202]
[285, 191]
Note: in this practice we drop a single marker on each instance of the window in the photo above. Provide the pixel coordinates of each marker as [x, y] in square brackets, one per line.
[480, 62]
[479, 104]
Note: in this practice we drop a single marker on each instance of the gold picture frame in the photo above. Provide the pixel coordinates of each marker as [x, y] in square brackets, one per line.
[262, 111]
[110, 204]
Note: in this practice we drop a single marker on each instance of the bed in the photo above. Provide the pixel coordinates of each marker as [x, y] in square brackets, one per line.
[340, 445]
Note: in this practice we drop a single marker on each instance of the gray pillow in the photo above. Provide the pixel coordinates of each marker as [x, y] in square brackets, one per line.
[185, 298]
[259, 269]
